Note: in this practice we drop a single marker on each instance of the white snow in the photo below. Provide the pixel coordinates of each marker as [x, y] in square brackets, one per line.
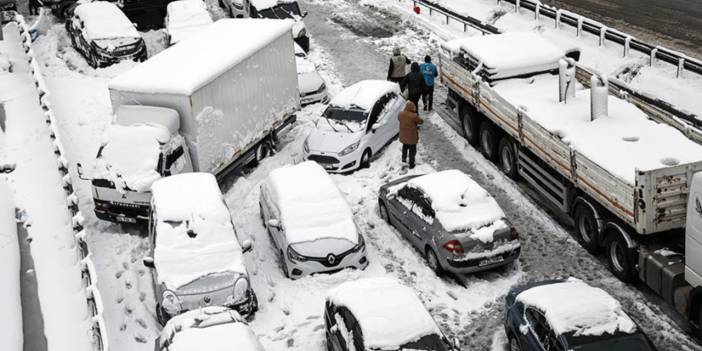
[573, 306]
[390, 314]
[364, 94]
[207, 54]
[194, 232]
[212, 329]
[11, 317]
[311, 206]
[261, 5]
[185, 18]
[104, 20]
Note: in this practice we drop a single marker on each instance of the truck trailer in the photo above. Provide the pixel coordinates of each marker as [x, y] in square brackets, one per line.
[213, 103]
[630, 181]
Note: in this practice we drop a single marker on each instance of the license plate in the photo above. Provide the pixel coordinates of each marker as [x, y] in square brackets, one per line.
[123, 219]
[491, 260]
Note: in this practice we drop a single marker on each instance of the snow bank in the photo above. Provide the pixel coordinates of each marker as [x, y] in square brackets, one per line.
[104, 20]
[210, 328]
[10, 294]
[364, 94]
[390, 314]
[311, 206]
[185, 18]
[195, 236]
[573, 306]
[206, 55]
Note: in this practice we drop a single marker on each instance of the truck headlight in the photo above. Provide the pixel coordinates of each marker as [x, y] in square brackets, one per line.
[349, 149]
[241, 289]
[170, 302]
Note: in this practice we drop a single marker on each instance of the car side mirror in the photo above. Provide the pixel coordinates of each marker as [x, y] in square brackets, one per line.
[274, 223]
[247, 245]
[304, 14]
[149, 262]
[376, 126]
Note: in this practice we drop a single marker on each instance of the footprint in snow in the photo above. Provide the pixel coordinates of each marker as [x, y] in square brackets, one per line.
[142, 323]
[128, 310]
[123, 327]
[318, 327]
[142, 296]
[119, 299]
[125, 265]
[271, 297]
[128, 284]
[313, 317]
[291, 342]
[140, 339]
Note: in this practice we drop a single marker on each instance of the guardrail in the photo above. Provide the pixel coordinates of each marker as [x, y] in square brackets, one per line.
[88, 272]
[581, 24]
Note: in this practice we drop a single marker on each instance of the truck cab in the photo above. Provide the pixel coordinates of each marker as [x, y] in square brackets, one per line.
[283, 9]
[142, 146]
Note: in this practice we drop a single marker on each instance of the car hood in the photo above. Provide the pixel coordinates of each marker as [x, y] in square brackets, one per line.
[330, 141]
[309, 82]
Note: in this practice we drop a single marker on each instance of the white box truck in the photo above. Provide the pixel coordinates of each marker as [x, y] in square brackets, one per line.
[628, 174]
[212, 103]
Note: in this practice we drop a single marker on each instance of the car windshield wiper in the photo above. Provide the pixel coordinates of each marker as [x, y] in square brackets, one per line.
[345, 125]
[330, 124]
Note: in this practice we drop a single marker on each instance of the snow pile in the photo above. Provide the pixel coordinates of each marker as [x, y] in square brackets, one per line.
[211, 328]
[364, 94]
[104, 20]
[460, 203]
[261, 5]
[572, 306]
[11, 316]
[311, 206]
[390, 315]
[195, 236]
[510, 54]
[623, 142]
[185, 18]
[206, 55]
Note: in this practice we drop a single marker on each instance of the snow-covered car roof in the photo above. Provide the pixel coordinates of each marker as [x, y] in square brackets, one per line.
[194, 232]
[104, 20]
[390, 314]
[207, 54]
[572, 306]
[266, 4]
[511, 53]
[211, 328]
[185, 18]
[364, 94]
[311, 206]
[459, 202]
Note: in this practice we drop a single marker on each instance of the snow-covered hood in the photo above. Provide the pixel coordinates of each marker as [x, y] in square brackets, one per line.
[178, 33]
[327, 140]
[308, 79]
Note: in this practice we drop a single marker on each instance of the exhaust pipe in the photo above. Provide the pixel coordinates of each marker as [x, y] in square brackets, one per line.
[599, 96]
[566, 79]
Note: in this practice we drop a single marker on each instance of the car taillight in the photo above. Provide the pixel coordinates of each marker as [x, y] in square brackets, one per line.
[453, 246]
[514, 234]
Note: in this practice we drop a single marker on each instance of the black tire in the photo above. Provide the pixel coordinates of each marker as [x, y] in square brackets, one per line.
[365, 159]
[469, 124]
[161, 315]
[263, 150]
[619, 257]
[488, 141]
[586, 228]
[507, 158]
[383, 211]
[433, 262]
[512, 343]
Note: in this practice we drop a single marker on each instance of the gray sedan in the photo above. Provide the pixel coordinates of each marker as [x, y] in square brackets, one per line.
[469, 237]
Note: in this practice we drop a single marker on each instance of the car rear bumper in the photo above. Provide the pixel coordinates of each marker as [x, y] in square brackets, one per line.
[483, 261]
[356, 260]
[121, 213]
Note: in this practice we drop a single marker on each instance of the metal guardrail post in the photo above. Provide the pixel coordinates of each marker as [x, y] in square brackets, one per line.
[681, 67]
[654, 52]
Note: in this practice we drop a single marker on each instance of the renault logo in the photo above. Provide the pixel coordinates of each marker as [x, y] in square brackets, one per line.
[331, 259]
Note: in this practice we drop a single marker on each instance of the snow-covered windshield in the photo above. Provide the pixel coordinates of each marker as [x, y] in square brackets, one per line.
[430, 342]
[343, 114]
[280, 11]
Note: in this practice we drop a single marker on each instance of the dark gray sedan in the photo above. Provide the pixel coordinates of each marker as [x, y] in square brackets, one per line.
[455, 223]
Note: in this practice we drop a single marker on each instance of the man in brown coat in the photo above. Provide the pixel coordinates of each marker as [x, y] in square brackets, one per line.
[409, 135]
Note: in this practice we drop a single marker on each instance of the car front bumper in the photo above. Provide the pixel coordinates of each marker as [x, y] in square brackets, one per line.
[107, 60]
[332, 162]
[356, 260]
[482, 261]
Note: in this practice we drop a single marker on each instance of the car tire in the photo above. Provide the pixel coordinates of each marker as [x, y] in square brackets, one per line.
[161, 315]
[619, 257]
[512, 343]
[433, 262]
[507, 158]
[365, 159]
[488, 141]
[586, 228]
[383, 211]
[469, 124]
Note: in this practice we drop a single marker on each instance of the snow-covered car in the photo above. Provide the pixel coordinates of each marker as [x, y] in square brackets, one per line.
[380, 314]
[357, 124]
[212, 328]
[454, 222]
[310, 222]
[185, 17]
[196, 257]
[235, 8]
[104, 35]
[281, 9]
[309, 82]
[569, 315]
[6, 9]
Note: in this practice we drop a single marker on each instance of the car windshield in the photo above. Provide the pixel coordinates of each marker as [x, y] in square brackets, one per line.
[432, 342]
[356, 115]
[280, 11]
[612, 343]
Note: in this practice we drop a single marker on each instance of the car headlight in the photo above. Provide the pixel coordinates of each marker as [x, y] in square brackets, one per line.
[302, 33]
[294, 256]
[349, 149]
[241, 289]
[361, 246]
[170, 302]
[306, 145]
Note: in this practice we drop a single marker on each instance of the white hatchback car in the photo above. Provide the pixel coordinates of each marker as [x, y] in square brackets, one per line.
[184, 18]
[356, 125]
[310, 222]
[309, 82]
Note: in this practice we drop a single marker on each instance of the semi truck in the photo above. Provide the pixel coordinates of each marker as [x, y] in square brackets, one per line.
[627, 174]
[213, 103]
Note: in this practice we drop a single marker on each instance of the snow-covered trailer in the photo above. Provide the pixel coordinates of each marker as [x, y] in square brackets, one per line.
[623, 176]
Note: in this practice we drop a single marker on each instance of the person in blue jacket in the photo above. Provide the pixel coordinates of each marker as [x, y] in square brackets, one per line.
[429, 72]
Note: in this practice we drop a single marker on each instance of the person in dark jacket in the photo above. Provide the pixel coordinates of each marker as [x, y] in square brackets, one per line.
[429, 72]
[398, 66]
[415, 84]
[409, 134]
[34, 6]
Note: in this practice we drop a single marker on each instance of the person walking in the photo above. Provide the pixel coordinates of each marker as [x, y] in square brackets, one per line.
[429, 72]
[398, 67]
[409, 132]
[415, 84]
[34, 6]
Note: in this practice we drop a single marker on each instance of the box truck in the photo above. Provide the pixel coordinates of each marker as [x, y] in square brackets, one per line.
[212, 103]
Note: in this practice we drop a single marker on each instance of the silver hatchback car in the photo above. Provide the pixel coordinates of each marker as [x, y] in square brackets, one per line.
[449, 218]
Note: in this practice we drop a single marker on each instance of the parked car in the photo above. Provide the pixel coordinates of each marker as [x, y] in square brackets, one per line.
[196, 257]
[235, 8]
[211, 328]
[103, 34]
[357, 124]
[310, 222]
[185, 17]
[273, 9]
[6, 9]
[569, 315]
[380, 314]
[448, 217]
[309, 82]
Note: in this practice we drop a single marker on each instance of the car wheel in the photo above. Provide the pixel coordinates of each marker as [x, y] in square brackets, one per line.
[513, 343]
[488, 141]
[469, 124]
[507, 158]
[619, 257]
[433, 262]
[161, 315]
[586, 227]
[383, 210]
[365, 159]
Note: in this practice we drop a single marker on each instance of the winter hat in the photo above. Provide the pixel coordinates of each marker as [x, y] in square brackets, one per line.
[396, 51]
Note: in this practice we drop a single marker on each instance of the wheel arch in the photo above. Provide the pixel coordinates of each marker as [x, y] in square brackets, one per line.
[600, 218]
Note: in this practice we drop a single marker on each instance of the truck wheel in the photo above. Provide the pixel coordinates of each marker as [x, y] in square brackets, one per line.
[488, 141]
[469, 123]
[619, 257]
[586, 227]
[507, 158]
[263, 150]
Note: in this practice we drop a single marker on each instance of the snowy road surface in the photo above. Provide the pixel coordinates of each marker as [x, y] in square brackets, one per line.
[351, 41]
